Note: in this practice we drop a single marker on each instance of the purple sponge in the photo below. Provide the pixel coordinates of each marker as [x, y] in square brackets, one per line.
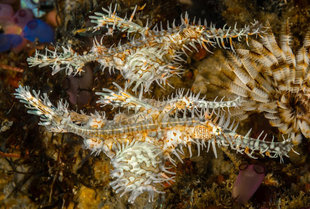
[249, 179]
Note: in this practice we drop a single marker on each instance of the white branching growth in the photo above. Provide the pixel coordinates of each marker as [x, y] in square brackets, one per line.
[138, 168]
[147, 134]
[152, 58]
[274, 81]
[68, 60]
[178, 102]
[51, 117]
[141, 141]
[109, 19]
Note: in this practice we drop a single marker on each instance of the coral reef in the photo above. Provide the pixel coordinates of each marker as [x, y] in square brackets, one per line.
[156, 128]
[136, 137]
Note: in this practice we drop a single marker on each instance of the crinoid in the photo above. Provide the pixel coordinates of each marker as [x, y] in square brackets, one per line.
[272, 80]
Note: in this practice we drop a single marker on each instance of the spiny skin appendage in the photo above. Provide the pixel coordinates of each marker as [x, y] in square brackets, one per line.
[138, 168]
[68, 60]
[151, 58]
[178, 102]
[139, 146]
[51, 116]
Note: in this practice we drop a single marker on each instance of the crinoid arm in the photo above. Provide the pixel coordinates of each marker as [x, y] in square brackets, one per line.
[273, 80]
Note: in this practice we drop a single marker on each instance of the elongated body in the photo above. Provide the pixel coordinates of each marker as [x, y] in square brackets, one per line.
[153, 55]
[152, 132]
